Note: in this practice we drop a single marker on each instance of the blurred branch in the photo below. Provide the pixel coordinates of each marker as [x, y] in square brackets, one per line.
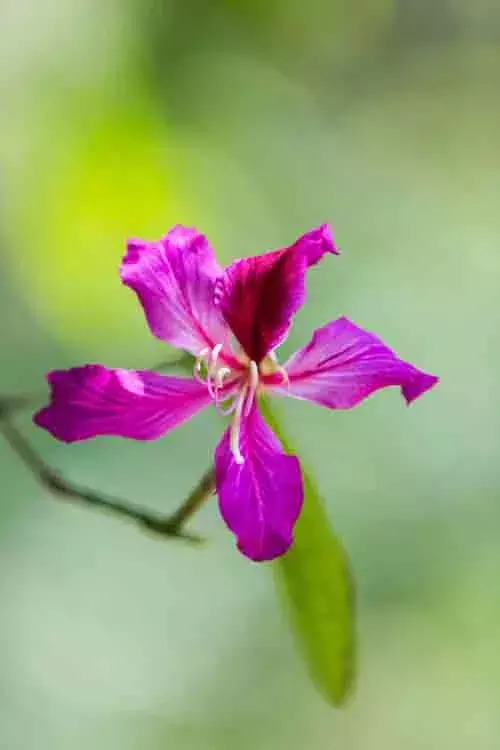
[171, 526]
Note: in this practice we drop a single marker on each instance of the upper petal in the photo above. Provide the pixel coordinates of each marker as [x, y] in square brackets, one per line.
[343, 364]
[174, 280]
[92, 400]
[258, 296]
[260, 500]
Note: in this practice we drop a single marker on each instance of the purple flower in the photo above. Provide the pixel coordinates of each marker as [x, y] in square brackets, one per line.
[232, 320]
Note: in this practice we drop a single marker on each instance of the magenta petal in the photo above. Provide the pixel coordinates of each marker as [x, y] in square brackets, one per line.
[258, 296]
[316, 243]
[92, 400]
[343, 364]
[174, 280]
[260, 500]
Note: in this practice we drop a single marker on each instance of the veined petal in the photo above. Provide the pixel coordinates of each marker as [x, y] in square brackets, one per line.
[92, 400]
[260, 499]
[174, 280]
[343, 364]
[258, 296]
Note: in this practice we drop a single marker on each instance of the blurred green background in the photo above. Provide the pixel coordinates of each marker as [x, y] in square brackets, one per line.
[254, 121]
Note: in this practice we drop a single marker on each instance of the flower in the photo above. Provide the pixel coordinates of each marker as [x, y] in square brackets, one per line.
[232, 320]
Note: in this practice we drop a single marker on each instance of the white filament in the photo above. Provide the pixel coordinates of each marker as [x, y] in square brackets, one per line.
[284, 375]
[219, 378]
[214, 357]
[239, 394]
[224, 411]
[200, 359]
[234, 435]
[219, 382]
[253, 384]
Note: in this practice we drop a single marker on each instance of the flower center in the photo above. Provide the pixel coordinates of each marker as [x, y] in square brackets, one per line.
[232, 391]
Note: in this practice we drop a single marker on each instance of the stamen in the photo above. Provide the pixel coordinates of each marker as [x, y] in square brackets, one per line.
[215, 356]
[219, 378]
[234, 437]
[224, 411]
[284, 375]
[252, 386]
[270, 366]
[200, 359]
[210, 386]
[237, 395]
[212, 371]
[219, 382]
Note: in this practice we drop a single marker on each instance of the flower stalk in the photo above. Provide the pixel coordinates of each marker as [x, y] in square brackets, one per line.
[170, 526]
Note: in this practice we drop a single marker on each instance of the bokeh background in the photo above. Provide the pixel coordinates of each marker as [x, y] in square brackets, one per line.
[254, 120]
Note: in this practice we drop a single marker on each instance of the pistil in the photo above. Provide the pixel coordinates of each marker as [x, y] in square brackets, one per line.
[234, 435]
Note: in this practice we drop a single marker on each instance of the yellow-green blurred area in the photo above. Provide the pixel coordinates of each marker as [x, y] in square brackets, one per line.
[254, 121]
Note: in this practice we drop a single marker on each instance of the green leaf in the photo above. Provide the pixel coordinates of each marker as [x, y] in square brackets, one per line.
[316, 585]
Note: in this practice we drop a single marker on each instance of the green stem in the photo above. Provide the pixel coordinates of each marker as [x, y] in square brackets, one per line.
[171, 526]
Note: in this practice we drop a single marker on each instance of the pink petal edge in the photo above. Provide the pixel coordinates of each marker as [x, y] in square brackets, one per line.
[260, 500]
[259, 296]
[93, 400]
[343, 364]
[174, 280]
